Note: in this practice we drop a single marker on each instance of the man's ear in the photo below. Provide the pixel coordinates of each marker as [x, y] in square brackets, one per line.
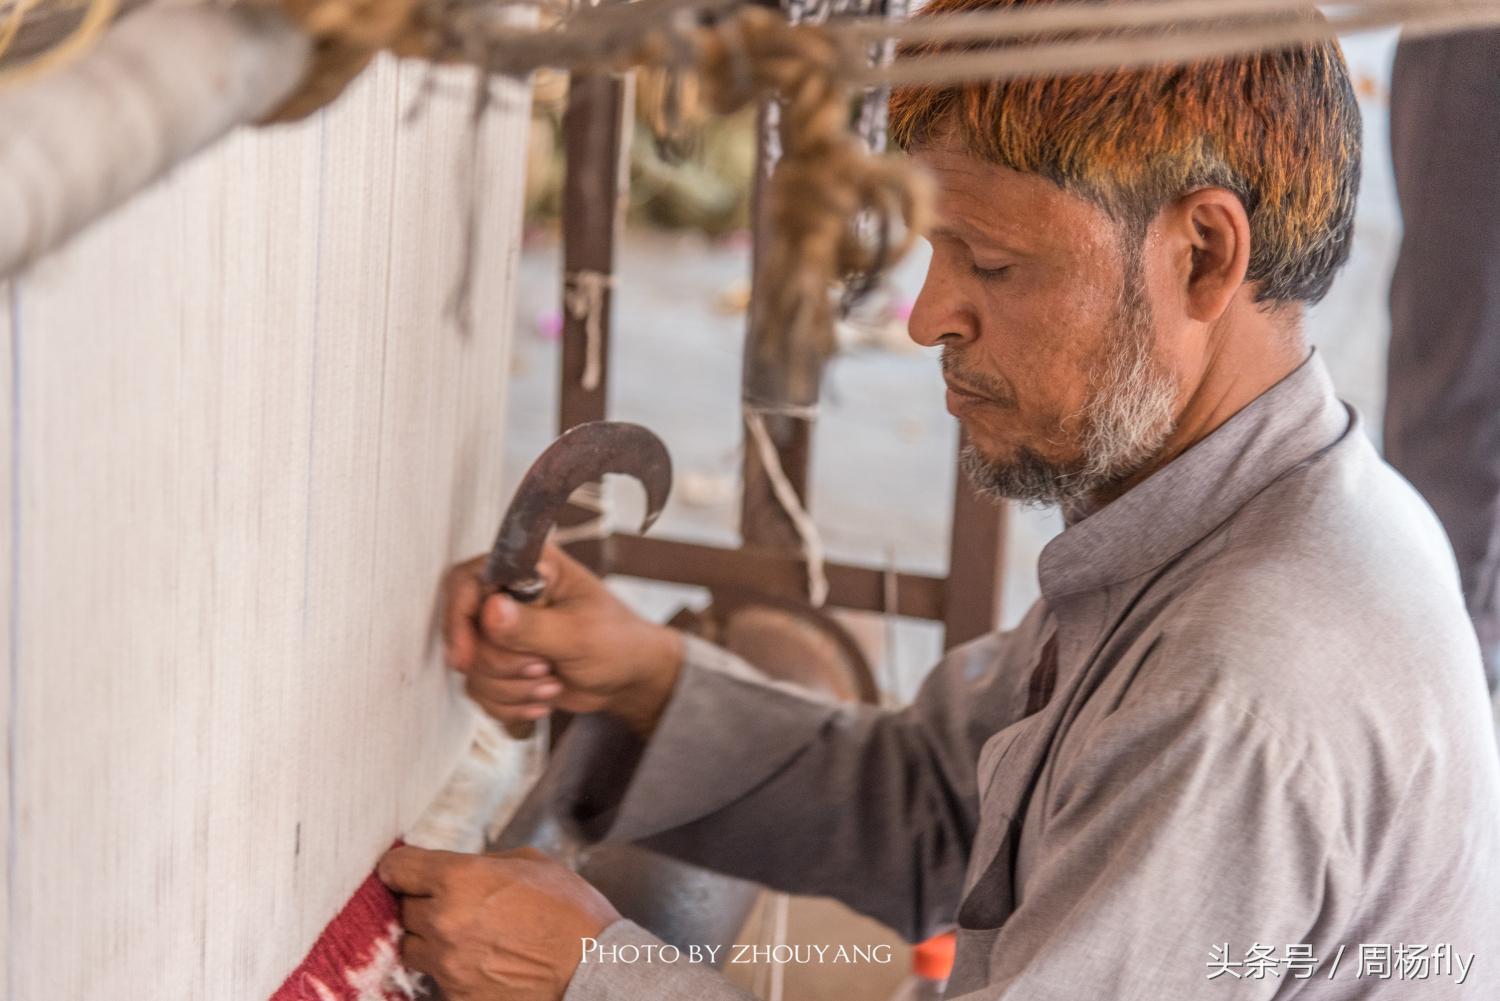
[1212, 230]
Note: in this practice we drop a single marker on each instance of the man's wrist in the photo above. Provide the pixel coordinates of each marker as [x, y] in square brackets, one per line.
[641, 704]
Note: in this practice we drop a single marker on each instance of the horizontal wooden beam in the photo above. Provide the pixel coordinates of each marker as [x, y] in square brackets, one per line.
[770, 571]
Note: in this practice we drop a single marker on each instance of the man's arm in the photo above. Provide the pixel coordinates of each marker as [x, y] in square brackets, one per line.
[682, 747]
[763, 781]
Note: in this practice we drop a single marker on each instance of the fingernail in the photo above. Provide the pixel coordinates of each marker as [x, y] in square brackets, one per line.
[537, 712]
[546, 690]
[535, 670]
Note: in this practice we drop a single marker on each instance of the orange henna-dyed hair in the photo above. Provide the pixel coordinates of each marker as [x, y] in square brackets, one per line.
[1279, 129]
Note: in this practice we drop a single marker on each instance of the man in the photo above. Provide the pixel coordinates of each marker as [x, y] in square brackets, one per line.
[1442, 416]
[1242, 734]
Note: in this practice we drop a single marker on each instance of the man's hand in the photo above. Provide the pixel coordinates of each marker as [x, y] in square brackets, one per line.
[494, 928]
[581, 649]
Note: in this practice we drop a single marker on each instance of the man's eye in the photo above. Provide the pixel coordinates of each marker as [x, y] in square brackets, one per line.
[989, 274]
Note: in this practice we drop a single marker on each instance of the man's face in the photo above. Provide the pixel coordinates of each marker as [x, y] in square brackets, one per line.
[1051, 349]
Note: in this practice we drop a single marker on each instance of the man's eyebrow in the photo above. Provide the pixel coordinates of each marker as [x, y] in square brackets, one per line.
[971, 237]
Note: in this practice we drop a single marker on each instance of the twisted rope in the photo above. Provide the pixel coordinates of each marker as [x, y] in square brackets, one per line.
[97, 15]
[786, 496]
[583, 298]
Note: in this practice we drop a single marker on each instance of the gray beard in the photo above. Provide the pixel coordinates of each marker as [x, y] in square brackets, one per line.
[1125, 422]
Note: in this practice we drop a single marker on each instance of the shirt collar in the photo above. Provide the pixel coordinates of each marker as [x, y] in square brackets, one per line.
[1195, 493]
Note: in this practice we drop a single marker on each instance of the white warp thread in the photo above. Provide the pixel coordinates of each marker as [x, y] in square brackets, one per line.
[490, 779]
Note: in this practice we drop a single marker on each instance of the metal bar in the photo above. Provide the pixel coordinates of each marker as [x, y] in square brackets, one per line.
[767, 570]
[976, 564]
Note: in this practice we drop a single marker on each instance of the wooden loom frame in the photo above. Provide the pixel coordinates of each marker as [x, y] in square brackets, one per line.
[966, 601]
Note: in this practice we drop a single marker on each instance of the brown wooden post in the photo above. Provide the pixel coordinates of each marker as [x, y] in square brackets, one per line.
[773, 383]
[596, 139]
[596, 130]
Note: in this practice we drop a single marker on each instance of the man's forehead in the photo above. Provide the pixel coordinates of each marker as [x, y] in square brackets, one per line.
[982, 202]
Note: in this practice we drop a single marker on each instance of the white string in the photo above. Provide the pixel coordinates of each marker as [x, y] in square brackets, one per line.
[786, 495]
[781, 903]
[583, 297]
[800, 411]
[590, 497]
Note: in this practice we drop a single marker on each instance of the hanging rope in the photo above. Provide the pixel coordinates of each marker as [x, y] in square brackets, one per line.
[583, 298]
[837, 213]
[97, 15]
[824, 183]
[786, 496]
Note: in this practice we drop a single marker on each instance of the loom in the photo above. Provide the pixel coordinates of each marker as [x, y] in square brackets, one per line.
[252, 407]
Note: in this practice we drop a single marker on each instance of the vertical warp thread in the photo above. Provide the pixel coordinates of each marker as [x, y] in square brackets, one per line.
[312, 377]
[12, 749]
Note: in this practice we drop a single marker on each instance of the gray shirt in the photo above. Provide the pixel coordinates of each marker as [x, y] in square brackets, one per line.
[1266, 768]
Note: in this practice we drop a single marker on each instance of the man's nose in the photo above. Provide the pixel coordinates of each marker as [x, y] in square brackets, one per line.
[940, 317]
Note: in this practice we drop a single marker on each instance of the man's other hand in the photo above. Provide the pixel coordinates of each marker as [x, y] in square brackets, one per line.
[580, 648]
[494, 928]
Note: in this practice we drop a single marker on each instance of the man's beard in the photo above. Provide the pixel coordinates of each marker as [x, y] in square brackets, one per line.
[1129, 414]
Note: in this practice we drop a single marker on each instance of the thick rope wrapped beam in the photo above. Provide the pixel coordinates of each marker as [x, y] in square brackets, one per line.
[190, 73]
[36, 37]
[826, 183]
[80, 140]
[610, 35]
[346, 35]
[37, 25]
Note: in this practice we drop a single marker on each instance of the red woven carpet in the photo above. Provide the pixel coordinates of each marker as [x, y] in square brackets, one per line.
[356, 957]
